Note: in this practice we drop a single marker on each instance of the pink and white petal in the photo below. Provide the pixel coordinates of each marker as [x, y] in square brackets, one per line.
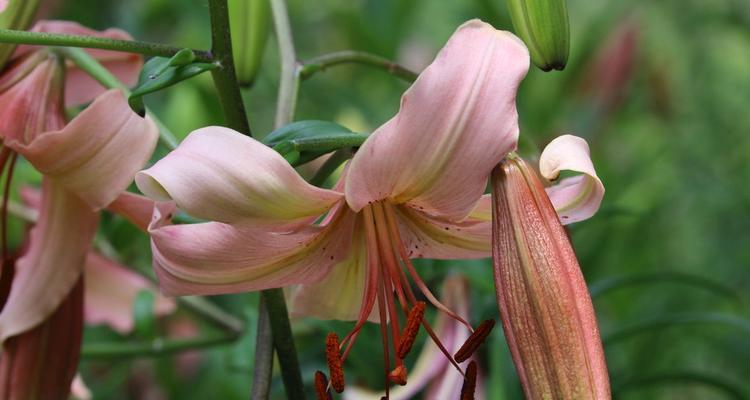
[217, 258]
[483, 209]
[97, 154]
[110, 291]
[80, 87]
[53, 263]
[221, 175]
[456, 122]
[340, 293]
[427, 236]
[79, 390]
[135, 208]
[576, 198]
[3, 5]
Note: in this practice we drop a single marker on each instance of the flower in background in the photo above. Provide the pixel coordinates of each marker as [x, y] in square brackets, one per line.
[546, 310]
[85, 164]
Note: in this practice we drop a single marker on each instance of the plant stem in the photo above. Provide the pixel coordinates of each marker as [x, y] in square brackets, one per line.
[154, 348]
[320, 63]
[283, 341]
[290, 68]
[92, 42]
[333, 162]
[263, 354]
[92, 67]
[225, 78]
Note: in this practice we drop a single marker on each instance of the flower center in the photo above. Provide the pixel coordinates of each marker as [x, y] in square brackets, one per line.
[389, 269]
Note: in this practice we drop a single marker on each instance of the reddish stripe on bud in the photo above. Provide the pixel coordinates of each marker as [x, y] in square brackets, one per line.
[545, 306]
[321, 386]
[474, 341]
[413, 321]
[335, 365]
[470, 382]
[398, 375]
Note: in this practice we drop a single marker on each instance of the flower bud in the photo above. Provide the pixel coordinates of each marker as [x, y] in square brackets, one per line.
[249, 26]
[546, 310]
[15, 14]
[543, 26]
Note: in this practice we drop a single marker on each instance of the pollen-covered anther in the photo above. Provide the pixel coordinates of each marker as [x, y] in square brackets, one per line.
[335, 365]
[413, 321]
[321, 386]
[398, 375]
[470, 382]
[474, 341]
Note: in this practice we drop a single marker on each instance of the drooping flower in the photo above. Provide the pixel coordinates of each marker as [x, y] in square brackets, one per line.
[547, 314]
[85, 164]
[412, 190]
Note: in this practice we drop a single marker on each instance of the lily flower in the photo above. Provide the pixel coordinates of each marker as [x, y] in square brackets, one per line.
[432, 373]
[546, 310]
[85, 164]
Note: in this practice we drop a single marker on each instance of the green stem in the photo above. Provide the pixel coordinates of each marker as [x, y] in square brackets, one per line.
[333, 162]
[263, 365]
[283, 341]
[154, 348]
[290, 68]
[320, 63]
[225, 78]
[92, 42]
[92, 67]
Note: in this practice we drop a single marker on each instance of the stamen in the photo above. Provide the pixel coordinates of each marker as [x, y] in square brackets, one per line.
[474, 341]
[411, 329]
[398, 375]
[335, 365]
[470, 382]
[321, 386]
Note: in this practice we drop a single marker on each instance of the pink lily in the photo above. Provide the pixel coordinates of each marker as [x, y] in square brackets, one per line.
[412, 190]
[86, 163]
[432, 374]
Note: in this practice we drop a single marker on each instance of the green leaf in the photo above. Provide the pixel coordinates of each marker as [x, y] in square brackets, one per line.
[610, 284]
[143, 314]
[304, 141]
[681, 378]
[667, 321]
[160, 73]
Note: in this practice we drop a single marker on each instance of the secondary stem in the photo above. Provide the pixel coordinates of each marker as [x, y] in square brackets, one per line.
[91, 42]
[289, 84]
[320, 63]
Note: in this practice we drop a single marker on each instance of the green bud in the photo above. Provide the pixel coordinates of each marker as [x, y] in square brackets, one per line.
[543, 26]
[17, 14]
[249, 22]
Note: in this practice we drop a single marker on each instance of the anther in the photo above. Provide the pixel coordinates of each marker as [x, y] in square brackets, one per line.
[321, 386]
[470, 382]
[474, 341]
[398, 375]
[413, 321]
[335, 365]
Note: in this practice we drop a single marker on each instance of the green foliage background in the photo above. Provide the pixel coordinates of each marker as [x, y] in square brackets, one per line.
[666, 257]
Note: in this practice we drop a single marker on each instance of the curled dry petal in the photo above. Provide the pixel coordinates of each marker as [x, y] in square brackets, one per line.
[46, 273]
[546, 310]
[79, 86]
[213, 257]
[111, 290]
[221, 175]
[576, 198]
[97, 154]
[456, 122]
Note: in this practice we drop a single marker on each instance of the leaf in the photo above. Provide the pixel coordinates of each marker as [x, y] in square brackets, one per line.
[159, 73]
[143, 314]
[304, 141]
[681, 378]
[669, 320]
[607, 285]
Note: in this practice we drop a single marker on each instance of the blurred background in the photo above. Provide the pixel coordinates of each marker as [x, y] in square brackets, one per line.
[661, 91]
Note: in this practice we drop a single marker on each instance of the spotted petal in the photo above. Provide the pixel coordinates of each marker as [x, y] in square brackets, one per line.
[456, 122]
[221, 175]
[576, 198]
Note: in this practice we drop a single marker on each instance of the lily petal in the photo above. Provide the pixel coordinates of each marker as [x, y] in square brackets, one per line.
[221, 175]
[53, 263]
[94, 157]
[428, 236]
[110, 291]
[576, 198]
[456, 122]
[135, 208]
[80, 87]
[217, 258]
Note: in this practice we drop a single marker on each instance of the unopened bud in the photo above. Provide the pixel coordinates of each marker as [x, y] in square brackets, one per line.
[543, 26]
[249, 22]
[15, 14]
